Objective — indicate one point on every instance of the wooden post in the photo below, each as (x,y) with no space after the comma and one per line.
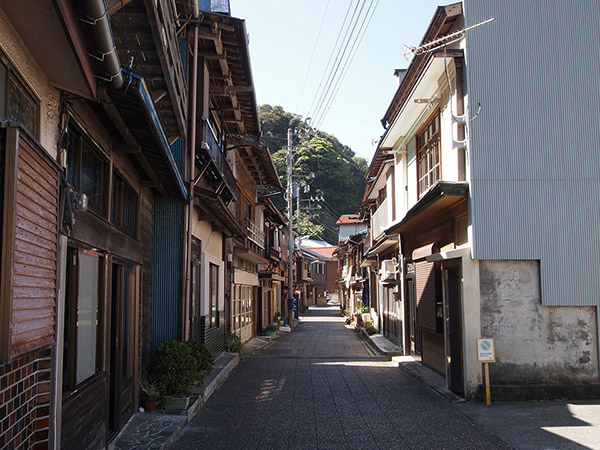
(488,399)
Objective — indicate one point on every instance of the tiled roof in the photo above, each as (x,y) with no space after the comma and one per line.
(327,252)
(349,218)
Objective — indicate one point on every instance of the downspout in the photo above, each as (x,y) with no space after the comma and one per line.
(380,297)
(460,111)
(97,16)
(188,258)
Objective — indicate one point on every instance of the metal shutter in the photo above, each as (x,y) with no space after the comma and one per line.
(426,287)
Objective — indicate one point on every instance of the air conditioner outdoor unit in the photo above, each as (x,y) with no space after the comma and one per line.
(388,270)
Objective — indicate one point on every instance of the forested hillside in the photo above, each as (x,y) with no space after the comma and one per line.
(339,175)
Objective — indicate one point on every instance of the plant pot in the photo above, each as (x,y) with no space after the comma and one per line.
(176,403)
(150,404)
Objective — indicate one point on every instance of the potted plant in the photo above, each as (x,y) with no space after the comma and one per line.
(270,330)
(233,343)
(176,367)
(150,392)
(204,360)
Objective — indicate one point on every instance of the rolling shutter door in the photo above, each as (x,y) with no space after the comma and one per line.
(426,287)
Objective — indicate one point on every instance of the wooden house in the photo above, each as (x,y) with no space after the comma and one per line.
(475,225)
(231,167)
(106,100)
(271,274)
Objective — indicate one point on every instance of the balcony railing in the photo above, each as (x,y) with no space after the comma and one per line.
(380,219)
(255,234)
(216,153)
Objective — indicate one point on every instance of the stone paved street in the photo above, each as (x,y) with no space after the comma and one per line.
(321,387)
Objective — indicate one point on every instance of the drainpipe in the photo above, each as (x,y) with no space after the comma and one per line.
(460,111)
(188,259)
(97,17)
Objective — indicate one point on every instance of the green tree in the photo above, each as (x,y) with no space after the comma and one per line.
(339,175)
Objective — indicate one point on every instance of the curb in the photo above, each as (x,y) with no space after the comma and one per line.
(163,436)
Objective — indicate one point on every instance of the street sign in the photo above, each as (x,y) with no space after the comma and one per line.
(485,350)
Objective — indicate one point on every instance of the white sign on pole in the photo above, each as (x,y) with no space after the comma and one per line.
(485,350)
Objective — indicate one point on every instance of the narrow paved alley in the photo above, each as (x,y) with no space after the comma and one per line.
(322,387)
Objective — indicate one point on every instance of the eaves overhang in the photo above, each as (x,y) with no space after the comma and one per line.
(441,196)
(224,43)
(136,107)
(52,34)
(248,255)
(217,212)
(385,244)
(379,181)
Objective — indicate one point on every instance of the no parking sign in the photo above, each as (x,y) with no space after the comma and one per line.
(485,350)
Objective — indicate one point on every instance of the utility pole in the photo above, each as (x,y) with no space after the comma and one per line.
(298,210)
(290,166)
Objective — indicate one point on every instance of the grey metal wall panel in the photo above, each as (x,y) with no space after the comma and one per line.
(166,270)
(533,149)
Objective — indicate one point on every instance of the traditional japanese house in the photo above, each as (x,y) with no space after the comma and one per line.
(112,127)
(271,274)
(231,166)
(479,224)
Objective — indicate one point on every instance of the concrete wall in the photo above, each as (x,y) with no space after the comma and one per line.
(212,241)
(49,97)
(535,344)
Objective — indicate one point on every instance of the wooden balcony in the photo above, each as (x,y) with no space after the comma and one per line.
(255,235)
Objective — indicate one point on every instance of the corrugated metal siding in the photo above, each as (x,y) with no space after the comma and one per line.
(534,162)
(178,150)
(166,270)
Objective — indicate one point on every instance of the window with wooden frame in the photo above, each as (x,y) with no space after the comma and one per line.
(82,342)
(247,212)
(124,206)
(17,101)
(428,154)
(87,170)
(241,308)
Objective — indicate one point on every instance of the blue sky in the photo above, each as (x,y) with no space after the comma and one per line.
(282,40)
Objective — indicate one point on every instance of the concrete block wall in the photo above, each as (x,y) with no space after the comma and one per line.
(535,344)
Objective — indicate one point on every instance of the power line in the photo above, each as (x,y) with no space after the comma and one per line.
(361,33)
(333,50)
(312,55)
(339,58)
(354,50)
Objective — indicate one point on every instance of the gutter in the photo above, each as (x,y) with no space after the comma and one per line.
(192,175)
(97,16)
(144,93)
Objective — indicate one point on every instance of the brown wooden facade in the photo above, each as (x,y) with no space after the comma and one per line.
(431,227)
(79,313)
(29,181)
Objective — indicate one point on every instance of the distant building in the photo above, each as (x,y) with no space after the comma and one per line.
(350,224)
(322,272)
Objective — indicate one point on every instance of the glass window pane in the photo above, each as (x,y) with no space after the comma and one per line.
(20,106)
(92,178)
(87,316)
